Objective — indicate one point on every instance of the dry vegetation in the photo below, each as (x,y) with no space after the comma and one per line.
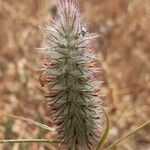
(123,50)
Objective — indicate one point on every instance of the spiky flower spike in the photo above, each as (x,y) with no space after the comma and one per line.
(69,74)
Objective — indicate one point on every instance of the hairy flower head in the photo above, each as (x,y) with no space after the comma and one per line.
(69,73)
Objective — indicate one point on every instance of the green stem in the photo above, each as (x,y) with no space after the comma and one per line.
(28,141)
(105,134)
(127,135)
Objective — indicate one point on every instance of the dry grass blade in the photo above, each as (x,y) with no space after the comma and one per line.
(15,14)
(33,122)
(128,134)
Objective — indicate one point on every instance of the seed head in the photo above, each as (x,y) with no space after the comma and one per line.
(69,73)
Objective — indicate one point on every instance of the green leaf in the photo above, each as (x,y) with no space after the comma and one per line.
(127,135)
(33,122)
(105,134)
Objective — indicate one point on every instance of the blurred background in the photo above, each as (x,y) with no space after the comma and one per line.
(123,51)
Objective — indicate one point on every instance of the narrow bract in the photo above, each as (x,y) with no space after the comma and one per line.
(69,73)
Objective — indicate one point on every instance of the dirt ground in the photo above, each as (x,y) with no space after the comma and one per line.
(123,50)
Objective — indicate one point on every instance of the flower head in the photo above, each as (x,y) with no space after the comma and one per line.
(69,73)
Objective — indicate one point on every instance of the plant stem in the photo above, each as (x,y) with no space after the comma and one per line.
(28,141)
(127,135)
(105,134)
